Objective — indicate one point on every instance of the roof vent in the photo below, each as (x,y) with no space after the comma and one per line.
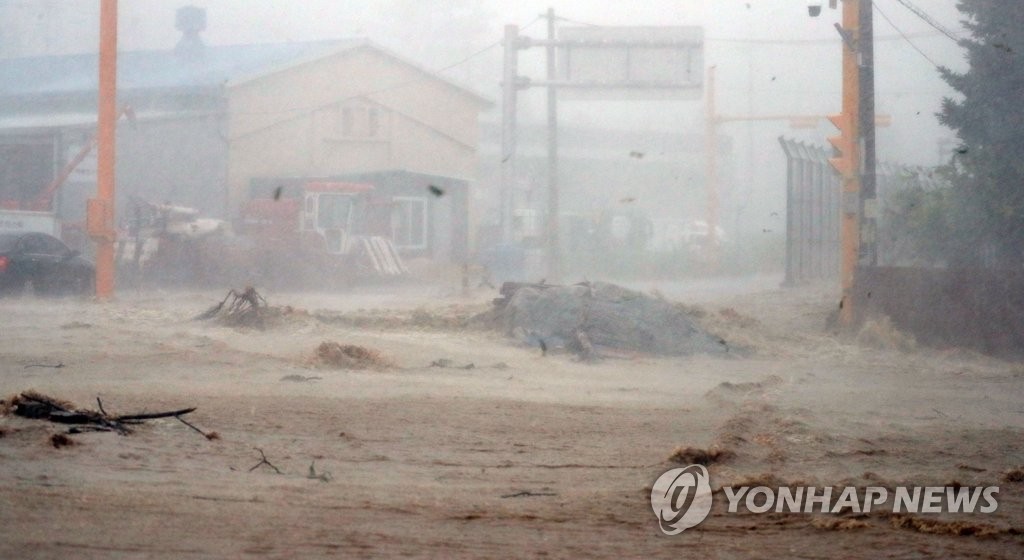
(191,21)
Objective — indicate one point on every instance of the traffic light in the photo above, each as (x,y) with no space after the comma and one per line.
(844,161)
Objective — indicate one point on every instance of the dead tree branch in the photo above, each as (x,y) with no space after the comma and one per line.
(264,461)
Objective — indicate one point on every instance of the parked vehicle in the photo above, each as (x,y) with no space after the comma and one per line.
(45,262)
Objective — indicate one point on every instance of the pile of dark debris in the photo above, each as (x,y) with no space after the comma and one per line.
(592,317)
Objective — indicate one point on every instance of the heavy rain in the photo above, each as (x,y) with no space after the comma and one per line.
(484,278)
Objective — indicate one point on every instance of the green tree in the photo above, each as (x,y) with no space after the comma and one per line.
(988,118)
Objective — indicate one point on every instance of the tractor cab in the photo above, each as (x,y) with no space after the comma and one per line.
(333,211)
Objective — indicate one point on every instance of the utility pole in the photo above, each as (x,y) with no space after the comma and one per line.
(848,160)
(869,180)
(100,211)
(554,248)
(509,92)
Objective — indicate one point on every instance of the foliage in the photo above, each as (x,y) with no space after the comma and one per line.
(919,224)
(988,169)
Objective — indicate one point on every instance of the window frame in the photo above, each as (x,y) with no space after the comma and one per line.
(409,203)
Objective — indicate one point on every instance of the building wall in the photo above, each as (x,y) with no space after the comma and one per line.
(356,111)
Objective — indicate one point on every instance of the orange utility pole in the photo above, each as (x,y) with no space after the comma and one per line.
(100,211)
(848,160)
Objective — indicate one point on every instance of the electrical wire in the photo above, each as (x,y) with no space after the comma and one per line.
(929,19)
(577,22)
(793,42)
(804,42)
(904,35)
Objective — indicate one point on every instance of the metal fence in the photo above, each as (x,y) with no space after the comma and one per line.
(812,213)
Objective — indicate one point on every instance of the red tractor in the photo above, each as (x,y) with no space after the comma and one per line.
(328,235)
(333,231)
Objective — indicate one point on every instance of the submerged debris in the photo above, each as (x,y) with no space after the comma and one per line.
(934,526)
(696,456)
(350,356)
(838,523)
(1014,475)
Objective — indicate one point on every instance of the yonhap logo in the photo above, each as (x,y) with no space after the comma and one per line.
(681,498)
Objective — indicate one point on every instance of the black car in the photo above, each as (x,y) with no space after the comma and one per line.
(46,262)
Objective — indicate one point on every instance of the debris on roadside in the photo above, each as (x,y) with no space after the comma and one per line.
(238,309)
(528,494)
(61,440)
(449,364)
(322,476)
(301,378)
(37,406)
(349,356)
(588,317)
(264,461)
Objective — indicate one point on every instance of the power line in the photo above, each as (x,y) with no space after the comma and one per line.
(929,19)
(804,42)
(904,35)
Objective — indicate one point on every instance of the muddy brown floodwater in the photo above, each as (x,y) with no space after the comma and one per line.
(520,455)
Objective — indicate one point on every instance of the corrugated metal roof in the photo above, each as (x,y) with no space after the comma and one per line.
(144,70)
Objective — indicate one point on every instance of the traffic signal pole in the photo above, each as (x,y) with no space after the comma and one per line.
(848,159)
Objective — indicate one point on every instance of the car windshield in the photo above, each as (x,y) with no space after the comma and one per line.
(333,211)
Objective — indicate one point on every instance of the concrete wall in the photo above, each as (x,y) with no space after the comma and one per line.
(977,308)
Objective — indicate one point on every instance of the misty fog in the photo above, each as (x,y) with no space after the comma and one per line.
(315,278)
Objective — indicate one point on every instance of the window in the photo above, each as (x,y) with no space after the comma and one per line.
(361,121)
(373,121)
(409,222)
(54,246)
(347,121)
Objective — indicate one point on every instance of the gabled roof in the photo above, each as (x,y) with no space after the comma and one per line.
(154,70)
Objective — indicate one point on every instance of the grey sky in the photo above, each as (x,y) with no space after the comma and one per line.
(770,56)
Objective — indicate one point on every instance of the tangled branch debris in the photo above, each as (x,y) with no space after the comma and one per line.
(238,309)
(31,404)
